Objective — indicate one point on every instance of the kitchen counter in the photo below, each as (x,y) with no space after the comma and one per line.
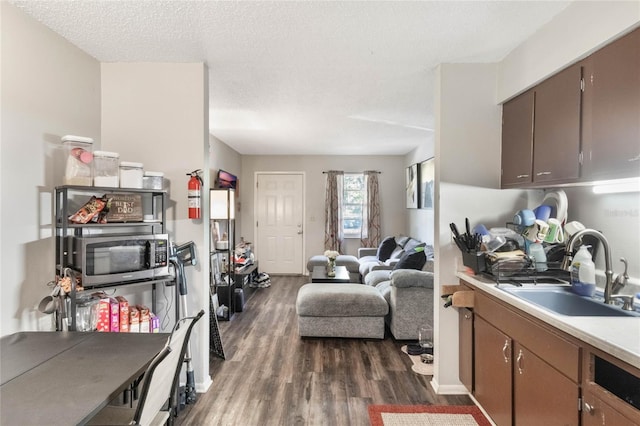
(617,336)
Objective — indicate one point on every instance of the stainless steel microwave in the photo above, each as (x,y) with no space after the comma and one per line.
(113,259)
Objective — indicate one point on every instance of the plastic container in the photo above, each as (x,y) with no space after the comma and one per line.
(105,169)
(583,273)
(131,174)
(153,180)
(536,252)
(79,160)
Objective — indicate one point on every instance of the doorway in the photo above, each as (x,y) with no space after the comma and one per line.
(279,213)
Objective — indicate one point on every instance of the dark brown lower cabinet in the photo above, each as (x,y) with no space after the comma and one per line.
(527,372)
(492,367)
(541,395)
(524,373)
(465,367)
(596,412)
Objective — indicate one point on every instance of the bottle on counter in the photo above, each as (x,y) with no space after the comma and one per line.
(583,273)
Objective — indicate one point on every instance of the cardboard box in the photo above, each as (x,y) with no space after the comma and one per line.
(125,208)
(134,320)
(104,315)
(124,313)
(114,315)
(145,319)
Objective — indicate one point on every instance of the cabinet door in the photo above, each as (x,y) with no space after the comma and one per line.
(595,412)
(492,366)
(517,140)
(542,396)
(465,367)
(611,125)
(556,141)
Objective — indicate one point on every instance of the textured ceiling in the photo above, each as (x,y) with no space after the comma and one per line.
(309,77)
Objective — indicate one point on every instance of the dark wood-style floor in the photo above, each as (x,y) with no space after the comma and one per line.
(271,376)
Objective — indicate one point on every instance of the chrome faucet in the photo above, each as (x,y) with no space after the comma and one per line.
(568,258)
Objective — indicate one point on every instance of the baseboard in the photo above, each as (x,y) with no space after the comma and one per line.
(203,387)
(448,389)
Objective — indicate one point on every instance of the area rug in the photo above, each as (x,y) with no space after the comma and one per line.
(420,415)
(419,366)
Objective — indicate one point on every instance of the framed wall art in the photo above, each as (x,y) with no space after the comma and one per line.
(412,186)
(427,178)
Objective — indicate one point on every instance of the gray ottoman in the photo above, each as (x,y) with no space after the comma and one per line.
(341,310)
(351,262)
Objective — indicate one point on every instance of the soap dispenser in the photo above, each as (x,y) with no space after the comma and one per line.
(583,273)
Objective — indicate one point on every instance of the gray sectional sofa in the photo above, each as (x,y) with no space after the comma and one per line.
(401,273)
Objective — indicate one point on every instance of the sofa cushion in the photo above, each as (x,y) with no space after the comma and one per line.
(386,247)
(402,278)
(414,259)
(396,254)
(340,300)
(402,240)
(384,288)
(375,277)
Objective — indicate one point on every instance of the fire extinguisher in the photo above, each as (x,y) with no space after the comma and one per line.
(194,193)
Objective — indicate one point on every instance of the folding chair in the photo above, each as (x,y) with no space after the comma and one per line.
(157,397)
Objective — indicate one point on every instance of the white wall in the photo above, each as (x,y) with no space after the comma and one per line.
(157,114)
(467,150)
(50,89)
(391,182)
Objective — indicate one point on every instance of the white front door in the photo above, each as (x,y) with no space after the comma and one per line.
(279,212)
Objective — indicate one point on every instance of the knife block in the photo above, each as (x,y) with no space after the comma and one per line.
(474,260)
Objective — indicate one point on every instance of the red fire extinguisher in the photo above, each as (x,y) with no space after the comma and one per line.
(194,193)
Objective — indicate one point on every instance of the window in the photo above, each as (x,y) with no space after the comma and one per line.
(353,204)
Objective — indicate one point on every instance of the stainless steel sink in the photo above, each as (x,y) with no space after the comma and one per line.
(562,301)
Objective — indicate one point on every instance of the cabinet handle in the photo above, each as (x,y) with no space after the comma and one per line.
(505,352)
(522,176)
(543,173)
(588,408)
(519,362)
(467,316)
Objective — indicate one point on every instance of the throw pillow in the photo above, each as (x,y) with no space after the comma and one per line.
(414,259)
(385,248)
(412,244)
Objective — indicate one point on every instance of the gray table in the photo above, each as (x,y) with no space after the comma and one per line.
(65,378)
(319,275)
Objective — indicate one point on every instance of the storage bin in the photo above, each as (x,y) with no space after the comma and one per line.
(79,152)
(105,169)
(131,174)
(153,180)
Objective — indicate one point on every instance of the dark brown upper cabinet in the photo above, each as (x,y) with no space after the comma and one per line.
(580,125)
(611,115)
(517,140)
(556,128)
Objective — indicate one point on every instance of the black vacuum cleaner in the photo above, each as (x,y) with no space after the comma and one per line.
(181,256)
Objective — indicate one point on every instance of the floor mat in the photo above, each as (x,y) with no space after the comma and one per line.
(416,415)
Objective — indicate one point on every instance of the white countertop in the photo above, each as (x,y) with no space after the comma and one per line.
(618,336)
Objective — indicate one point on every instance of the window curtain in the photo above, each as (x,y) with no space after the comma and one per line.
(333,235)
(370,236)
